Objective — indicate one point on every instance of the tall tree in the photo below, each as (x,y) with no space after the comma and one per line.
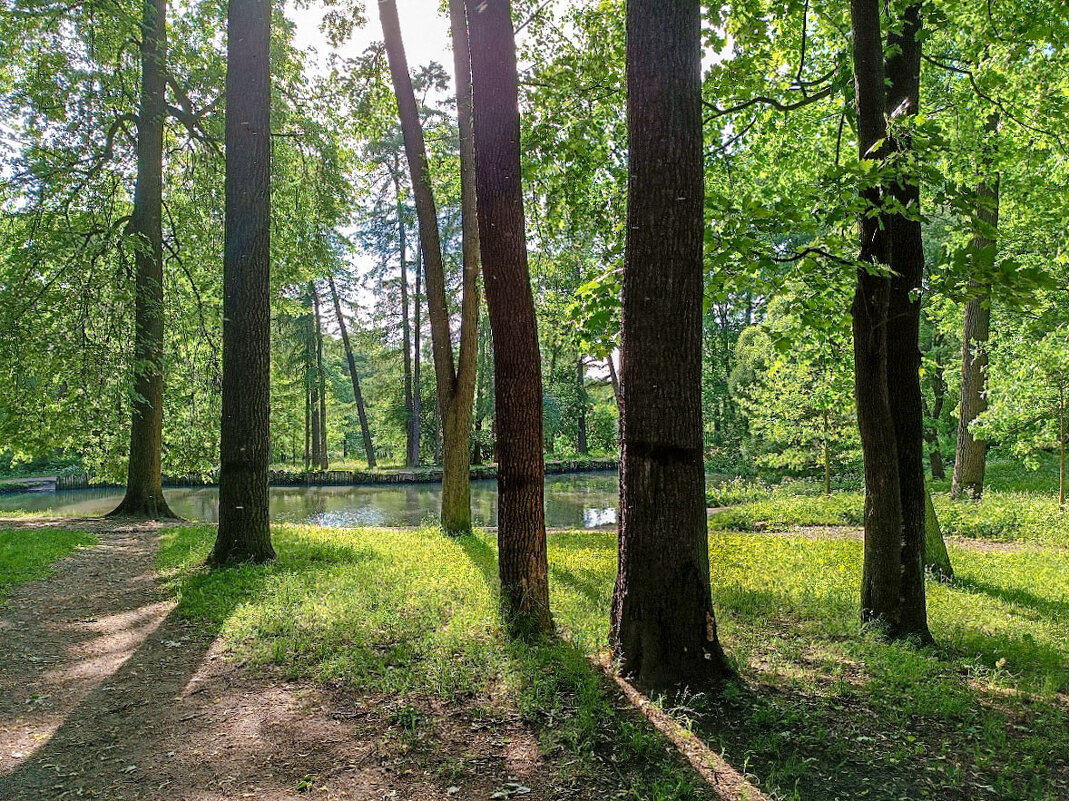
(411,419)
(903,73)
(358,396)
(971,452)
(144,485)
(522,561)
(455,380)
(245,445)
(892,594)
(321,381)
(663,627)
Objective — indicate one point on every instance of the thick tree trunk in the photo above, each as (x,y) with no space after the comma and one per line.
(411,421)
(244,520)
(455,382)
(971,453)
(365,430)
(663,630)
(903,72)
(321,382)
(144,485)
(881,571)
(522,561)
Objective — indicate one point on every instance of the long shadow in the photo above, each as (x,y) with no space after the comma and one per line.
(1055,610)
(589,587)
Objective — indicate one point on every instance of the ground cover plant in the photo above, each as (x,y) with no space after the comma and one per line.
(819,711)
(26,555)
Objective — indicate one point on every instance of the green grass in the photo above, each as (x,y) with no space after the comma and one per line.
(27,555)
(821,710)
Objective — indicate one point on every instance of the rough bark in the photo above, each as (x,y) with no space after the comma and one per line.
(522,561)
(144,485)
(971,452)
(455,381)
(663,630)
(321,383)
(365,429)
(903,70)
(244,521)
(881,570)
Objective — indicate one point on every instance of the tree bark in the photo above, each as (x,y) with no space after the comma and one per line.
(880,583)
(903,71)
(321,382)
(931,433)
(580,423)
(365,430)
(244,520)
(455,381)
(971,453)
(411,421)
(312,379)
(663,629)
(144,484)
(522,560)
(417,357)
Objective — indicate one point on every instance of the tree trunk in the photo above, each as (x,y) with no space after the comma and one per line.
(312,378)
(903,72)
(455,382)
(307,419)
(321,381)
(931,433)
(580,389)
(1061,446)
(827,453)
(144,484)
(522,561)
(936,557)
(971,455)
(663,630)
(881,571)
(365,430)
(244,521)
(417,352)
(411,420)
(615,379)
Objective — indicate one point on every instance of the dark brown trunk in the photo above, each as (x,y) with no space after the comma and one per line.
(244,519)
(321,382)
(970,459)
(881,571)
(522,559)
(365,430)
(663,630)
(903,72)
(144,485)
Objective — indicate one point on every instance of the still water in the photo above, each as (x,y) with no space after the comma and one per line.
(577,500)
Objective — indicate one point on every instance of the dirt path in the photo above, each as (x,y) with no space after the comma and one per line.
(106,693)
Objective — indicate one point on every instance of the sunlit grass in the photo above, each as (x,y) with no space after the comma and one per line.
(415,613)
(28,554)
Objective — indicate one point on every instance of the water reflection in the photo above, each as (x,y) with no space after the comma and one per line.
(580,500)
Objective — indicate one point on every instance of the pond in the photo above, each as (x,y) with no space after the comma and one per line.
(576,500)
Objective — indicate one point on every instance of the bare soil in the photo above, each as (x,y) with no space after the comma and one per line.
(106,693)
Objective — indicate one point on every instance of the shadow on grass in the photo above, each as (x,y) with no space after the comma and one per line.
(1054,610)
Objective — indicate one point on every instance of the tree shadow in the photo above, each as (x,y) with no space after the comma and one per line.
(1052,609)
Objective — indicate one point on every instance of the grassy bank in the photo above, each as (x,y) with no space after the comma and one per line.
(820,711)
(27,555)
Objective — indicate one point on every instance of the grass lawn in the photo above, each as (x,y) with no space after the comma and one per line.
(27,555)
(820,710)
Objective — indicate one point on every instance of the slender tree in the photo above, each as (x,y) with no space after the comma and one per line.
(144,485)
(411,420)
(365,430)
(455,380)
(971,452)
(522,559)
(663,628)
(244,521)
(321,381)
